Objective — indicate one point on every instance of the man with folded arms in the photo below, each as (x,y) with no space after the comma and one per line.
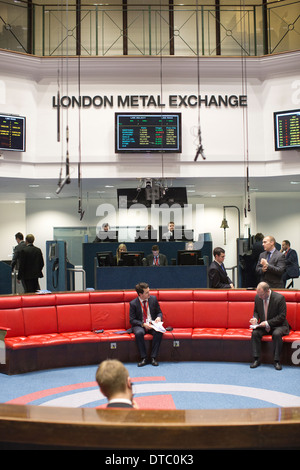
(269,318)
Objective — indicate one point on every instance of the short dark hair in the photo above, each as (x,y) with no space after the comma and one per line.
(155,248)
(218,251)
(259,236)
(287,242)
(140,287)
(19,236)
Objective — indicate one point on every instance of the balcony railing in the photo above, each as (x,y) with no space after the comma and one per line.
(182,30)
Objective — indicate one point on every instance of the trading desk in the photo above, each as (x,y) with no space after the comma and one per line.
(157,277)
(169,249)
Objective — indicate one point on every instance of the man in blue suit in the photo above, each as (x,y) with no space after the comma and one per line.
(145,309)
(291,262)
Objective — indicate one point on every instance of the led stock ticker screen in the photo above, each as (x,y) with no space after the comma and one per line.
(148,132)
(287,130)
(12,133)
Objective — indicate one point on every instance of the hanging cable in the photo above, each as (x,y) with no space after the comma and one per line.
(161,88)
(67,179)
(200,149)
(247,207)
(80,211)
(59,113)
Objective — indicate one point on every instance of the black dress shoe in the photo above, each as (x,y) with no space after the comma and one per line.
(255,364)
(143,362)
(277,365)
(154,362)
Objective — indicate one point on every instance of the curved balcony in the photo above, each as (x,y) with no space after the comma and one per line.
(167,28)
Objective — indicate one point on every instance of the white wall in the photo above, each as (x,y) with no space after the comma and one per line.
(13,217)
(269,88)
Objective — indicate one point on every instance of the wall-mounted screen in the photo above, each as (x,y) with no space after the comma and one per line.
(287,130)
(12,133)
(148,133)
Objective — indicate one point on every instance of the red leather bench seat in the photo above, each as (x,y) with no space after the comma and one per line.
(240,310)
(210,314)
(108,314)
(64,321)
(293,316)
(177,308)
(74,321)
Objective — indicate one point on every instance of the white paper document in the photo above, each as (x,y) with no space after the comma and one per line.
(158,326)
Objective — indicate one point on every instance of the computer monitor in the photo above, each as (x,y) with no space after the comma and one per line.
(132,258)
(189,258)
(105,258)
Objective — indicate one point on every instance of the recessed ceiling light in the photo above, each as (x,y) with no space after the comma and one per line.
(34,185)
(295,182)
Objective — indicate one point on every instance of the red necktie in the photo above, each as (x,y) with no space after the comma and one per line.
(145,310)
(266,308)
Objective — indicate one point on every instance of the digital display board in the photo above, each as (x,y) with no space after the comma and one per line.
(147,132)
(12,133)
(287,130)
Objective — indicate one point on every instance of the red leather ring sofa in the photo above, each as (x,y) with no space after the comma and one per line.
(41,331)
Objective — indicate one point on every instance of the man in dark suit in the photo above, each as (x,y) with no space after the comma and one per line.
(31,265)
(145,309)
(115,384)
(291,262)
(269,318)
(18,248)
(156,258)
(217,275)
(271,264)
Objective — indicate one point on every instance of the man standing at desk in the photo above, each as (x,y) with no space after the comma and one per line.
(143,310)
(217,275)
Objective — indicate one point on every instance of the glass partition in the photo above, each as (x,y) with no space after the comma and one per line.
(213,28)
